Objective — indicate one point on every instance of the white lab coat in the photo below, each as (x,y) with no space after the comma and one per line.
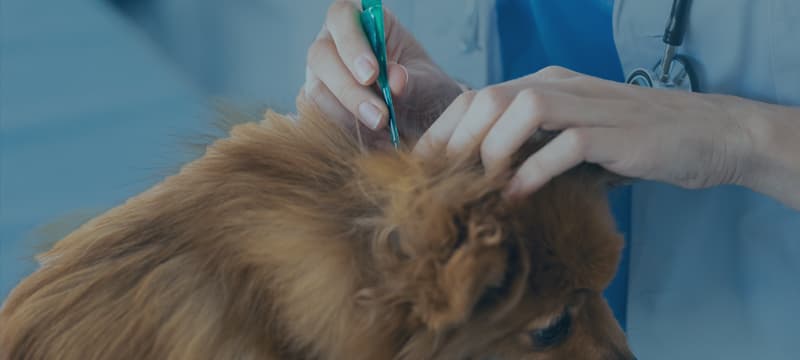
(715,274)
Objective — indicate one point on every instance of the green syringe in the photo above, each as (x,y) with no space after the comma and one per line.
(372,22)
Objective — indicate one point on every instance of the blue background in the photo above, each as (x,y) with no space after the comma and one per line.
(90,114)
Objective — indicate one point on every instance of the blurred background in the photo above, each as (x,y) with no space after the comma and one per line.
(98,98)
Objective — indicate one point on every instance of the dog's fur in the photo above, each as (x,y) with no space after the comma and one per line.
(288,241)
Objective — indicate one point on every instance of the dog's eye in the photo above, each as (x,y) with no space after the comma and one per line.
(554,334)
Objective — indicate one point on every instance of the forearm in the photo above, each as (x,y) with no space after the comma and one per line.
(773,165)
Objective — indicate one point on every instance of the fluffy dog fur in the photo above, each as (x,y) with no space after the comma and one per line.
(288,241)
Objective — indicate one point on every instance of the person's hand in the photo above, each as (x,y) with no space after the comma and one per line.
(341,71)
(690,140)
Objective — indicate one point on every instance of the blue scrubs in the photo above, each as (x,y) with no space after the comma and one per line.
(576,34)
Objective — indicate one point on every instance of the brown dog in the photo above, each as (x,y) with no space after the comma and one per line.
(288,241)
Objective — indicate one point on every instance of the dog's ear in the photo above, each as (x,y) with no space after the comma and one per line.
(442,245)
(474,267)
(479,276)
(444,269)
(484,270)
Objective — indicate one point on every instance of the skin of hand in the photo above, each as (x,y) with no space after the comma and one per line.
(341,73)
(686,139)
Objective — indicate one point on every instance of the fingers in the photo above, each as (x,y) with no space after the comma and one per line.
(325,63)
(534,109)
(553,99)
(485,109)
(521,120)
(351,43)
(315,91)
(502,118)
(561,154)
(438,135)
(342,60)
(570,148)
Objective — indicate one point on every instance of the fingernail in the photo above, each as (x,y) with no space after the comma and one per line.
(405,80)
(370,114)
(364,69)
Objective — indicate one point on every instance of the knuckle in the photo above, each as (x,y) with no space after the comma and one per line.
(469,135)
(320,49)
(424,144)
(534,103)
(337,8)
(351,46)
(468,95)
(429,142)
(464,100)
(348,96)
(490,152)
(555,72)
(314,88)
(534,167)
(576,140)
(492,98)
(529,96)
(437,138)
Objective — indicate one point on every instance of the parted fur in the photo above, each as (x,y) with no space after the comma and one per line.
(287,240)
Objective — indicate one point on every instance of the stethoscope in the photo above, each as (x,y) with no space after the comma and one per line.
(673,71)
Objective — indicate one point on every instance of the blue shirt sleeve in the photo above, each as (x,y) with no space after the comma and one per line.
(576,34)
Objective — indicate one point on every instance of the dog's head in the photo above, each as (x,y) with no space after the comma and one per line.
(477,276)
(442,263)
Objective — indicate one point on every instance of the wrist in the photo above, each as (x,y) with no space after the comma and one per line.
(772,162)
